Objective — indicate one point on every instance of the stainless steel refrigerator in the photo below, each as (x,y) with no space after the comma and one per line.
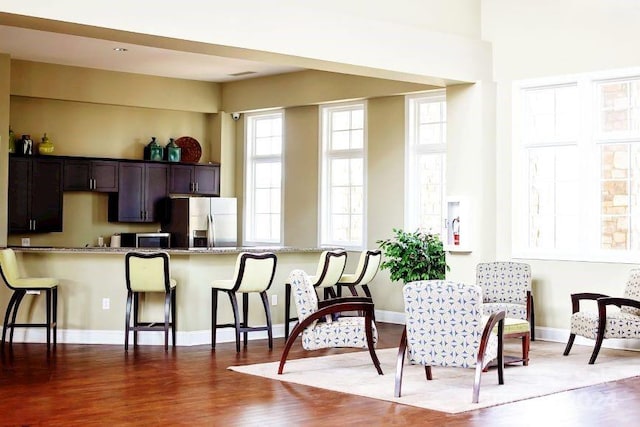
(202,222)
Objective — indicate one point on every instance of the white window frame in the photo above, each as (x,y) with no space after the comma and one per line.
(589,144)
(413,152)
(324,214)
(251,159)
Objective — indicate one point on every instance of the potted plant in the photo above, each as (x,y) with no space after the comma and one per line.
(411,256)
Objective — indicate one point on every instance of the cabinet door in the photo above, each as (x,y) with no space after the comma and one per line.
(77,175)
(182,179)
(46,195)
(128,204)
(207,178)
(19,194)
(156,185)
(105,175)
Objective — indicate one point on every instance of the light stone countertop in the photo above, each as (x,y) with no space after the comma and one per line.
(176,251)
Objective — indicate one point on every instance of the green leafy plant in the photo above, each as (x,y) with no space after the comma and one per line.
(413,256)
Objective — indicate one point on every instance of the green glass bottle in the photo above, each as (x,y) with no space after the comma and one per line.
(153,150)
(173,151)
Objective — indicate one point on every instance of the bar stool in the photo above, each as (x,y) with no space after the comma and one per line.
(149,272)
(27,285)
(330,268)
(366,270)
(253,274)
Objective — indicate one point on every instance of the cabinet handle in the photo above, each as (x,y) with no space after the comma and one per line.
(191,187)
(141,214)
(32,224)
(197,187)
(93,183)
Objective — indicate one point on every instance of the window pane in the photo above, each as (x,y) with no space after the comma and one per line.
(357,139)
(340,140)
(264,170)
(430,134)
(342,173)
(340,120)
(357,118)
(339,172)
(340,200)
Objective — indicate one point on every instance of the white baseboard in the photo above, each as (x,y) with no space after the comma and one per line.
(190,338)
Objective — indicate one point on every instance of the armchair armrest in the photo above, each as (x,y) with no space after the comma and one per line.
(576,298)
(619,302)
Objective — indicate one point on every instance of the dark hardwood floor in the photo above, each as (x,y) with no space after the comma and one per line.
(101,385)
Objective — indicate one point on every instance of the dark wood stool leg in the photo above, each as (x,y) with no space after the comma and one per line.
(48,326)
(173,316)
(55,316)
(236,317)
(267,312)
(287,308)
(167,310)
(127,320)
(245,316)
(20,294)
(5,325)
(136,301)
(214,316)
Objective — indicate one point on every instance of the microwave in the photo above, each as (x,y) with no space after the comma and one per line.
(146,240)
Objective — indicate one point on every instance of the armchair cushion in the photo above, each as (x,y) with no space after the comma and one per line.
(618,325)
(344,332)
(516,311)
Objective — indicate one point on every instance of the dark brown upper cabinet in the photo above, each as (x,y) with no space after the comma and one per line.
(198,179)
(35,194)
(90,175)
(142,192)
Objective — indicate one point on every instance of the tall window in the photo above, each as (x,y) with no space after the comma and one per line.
(426,161)
(577,168)
(342,205)
(263,201)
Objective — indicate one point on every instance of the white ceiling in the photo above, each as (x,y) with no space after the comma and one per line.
(65,49)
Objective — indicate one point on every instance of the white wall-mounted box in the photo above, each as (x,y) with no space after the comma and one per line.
(458,225)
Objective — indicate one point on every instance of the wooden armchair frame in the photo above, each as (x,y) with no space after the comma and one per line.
(329,308)
(603,301)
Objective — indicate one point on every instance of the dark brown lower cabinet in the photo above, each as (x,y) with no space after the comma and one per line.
(143,189)
(35,194)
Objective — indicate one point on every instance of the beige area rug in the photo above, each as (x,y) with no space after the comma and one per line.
(451,388)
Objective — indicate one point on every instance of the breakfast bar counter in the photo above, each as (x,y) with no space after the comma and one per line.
(92,291)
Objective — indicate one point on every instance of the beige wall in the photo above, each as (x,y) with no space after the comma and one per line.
(301,169)
(37,79)
(306,88)
(385,188)
(540,39)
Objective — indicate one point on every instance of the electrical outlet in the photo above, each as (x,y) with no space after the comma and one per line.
(26,241)
(105,303)
(274,299)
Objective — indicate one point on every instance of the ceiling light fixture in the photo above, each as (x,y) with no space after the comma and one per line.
(120,49)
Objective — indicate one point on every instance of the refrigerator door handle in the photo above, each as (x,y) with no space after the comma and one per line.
(210,231)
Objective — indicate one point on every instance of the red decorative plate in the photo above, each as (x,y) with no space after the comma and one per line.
(190,150)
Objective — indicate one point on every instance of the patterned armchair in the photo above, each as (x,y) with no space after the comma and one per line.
(506,286)
(445,327)
(320,330)
(607,324)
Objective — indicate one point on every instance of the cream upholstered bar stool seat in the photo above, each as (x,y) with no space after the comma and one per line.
(330,269)
(22,286)
(253,274)
(366,270)
(149,273)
